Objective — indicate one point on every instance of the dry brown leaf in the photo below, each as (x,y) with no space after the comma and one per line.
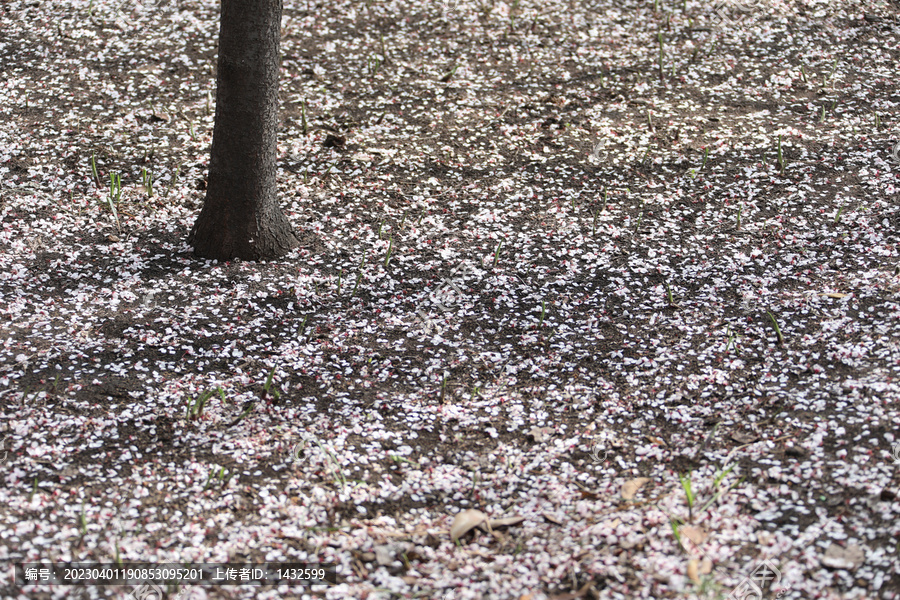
(504,522)
(584,591)
(835,295)
(695,534)
(706,566)
(466,521)
(744,438)
(693,569)
(552,518)
(630,489)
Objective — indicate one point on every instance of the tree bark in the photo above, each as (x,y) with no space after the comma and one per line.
(240,217)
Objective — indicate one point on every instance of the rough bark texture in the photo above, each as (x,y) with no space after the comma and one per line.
(240,217)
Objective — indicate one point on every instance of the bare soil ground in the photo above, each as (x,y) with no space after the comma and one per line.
(628,271)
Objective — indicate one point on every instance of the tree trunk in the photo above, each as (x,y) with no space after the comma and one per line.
(240,217)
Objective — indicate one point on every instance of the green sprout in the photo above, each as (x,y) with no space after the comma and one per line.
(659,37)
(719,493)
(780,156)
(83,520)
(705,157)
(303,326)
(336,466)
(303,116)
(269,389)
(174,180)
(449,74)
(732,339)
(689,495)
(115,188)
(195,407)
(218,476)
(497,252)
(358,276)
(115,196)
(94,169)
(669,295)
(403,459)
(374,63)
(776,327)
(248,408)
(147,182)
(674,524)
(830,75)
(387,258)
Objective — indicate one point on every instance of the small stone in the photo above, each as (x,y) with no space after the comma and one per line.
(383,555)
(848,558)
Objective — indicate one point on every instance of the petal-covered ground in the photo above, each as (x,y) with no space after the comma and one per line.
(628,271)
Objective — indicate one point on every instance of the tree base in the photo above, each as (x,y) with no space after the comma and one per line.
(214,236)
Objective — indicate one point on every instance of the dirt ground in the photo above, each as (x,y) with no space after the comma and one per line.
(625,274)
